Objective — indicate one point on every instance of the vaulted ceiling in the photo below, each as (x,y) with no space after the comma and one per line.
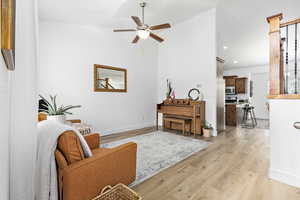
(241,24)
(112,13)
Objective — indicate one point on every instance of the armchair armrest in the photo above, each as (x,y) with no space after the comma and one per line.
(86,178)
(74,120)
(93,140)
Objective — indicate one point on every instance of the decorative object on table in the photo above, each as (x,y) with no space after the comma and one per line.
(168,101)
(118,192)
(169,89)
(83,128)
(177,101)
(186,101)
(173,95)
(194,94)
(109,79)
(55,112)
(207,129)
(8,32)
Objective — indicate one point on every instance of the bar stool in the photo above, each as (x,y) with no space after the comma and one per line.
(249,110)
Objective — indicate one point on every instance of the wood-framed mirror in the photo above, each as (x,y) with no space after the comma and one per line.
(109,79)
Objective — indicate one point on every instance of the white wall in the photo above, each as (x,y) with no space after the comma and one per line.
(67,55)
(188,58)
(18,110)
(4,133)
(260,92)
(246,71)
(254,73)
(23,104)
(284,141)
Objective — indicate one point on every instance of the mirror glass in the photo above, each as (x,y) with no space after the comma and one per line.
(110,79)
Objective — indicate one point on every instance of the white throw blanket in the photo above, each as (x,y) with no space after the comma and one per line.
(46,174)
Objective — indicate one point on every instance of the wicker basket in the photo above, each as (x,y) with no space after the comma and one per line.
(118,192)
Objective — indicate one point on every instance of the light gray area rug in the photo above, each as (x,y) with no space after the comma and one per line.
(159,150)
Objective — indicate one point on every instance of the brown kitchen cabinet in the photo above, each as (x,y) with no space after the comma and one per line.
(240,85)
(230,81)
(230,113)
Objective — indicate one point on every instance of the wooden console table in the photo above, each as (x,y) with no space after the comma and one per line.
(195,111)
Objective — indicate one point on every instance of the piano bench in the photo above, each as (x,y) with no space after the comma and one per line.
(183,122)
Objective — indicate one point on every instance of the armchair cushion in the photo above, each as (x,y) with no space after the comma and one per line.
(60,159)
(93,140)
(69,145)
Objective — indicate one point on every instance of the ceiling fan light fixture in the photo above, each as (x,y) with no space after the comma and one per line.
(143,30)
(144,34)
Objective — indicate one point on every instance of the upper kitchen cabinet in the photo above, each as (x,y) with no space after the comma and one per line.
(230,81)
(240,85)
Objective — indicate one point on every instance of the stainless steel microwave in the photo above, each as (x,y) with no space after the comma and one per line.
(230,90)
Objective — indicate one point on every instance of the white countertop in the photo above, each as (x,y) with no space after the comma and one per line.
(238,105)
(241,105)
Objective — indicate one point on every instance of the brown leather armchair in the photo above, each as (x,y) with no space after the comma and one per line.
(82,178)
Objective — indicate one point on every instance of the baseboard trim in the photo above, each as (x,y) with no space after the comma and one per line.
(284,177)
(131,128)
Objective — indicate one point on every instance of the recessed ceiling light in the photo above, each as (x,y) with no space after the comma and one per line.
(235,62)
(225,47)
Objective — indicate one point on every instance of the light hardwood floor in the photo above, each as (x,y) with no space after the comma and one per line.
(234,167)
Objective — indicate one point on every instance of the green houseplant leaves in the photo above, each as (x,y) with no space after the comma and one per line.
(54,109)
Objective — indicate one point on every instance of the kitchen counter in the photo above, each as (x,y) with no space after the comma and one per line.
(234,113)
(241,105)
(237,104)
(230,103)
(239,114)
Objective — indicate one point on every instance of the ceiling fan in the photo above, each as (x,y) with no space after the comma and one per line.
(144,30)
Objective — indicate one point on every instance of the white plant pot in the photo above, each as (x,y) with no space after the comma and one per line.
(207,132)
(58,118)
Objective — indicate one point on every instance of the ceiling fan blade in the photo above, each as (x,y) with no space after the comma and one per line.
(136,39)
(124,30)
(156,37)
(137,20)
(161,26)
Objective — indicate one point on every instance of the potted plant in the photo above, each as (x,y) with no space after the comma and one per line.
(55,112)
(207,129)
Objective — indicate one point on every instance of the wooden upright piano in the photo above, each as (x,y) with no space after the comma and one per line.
(194,110)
